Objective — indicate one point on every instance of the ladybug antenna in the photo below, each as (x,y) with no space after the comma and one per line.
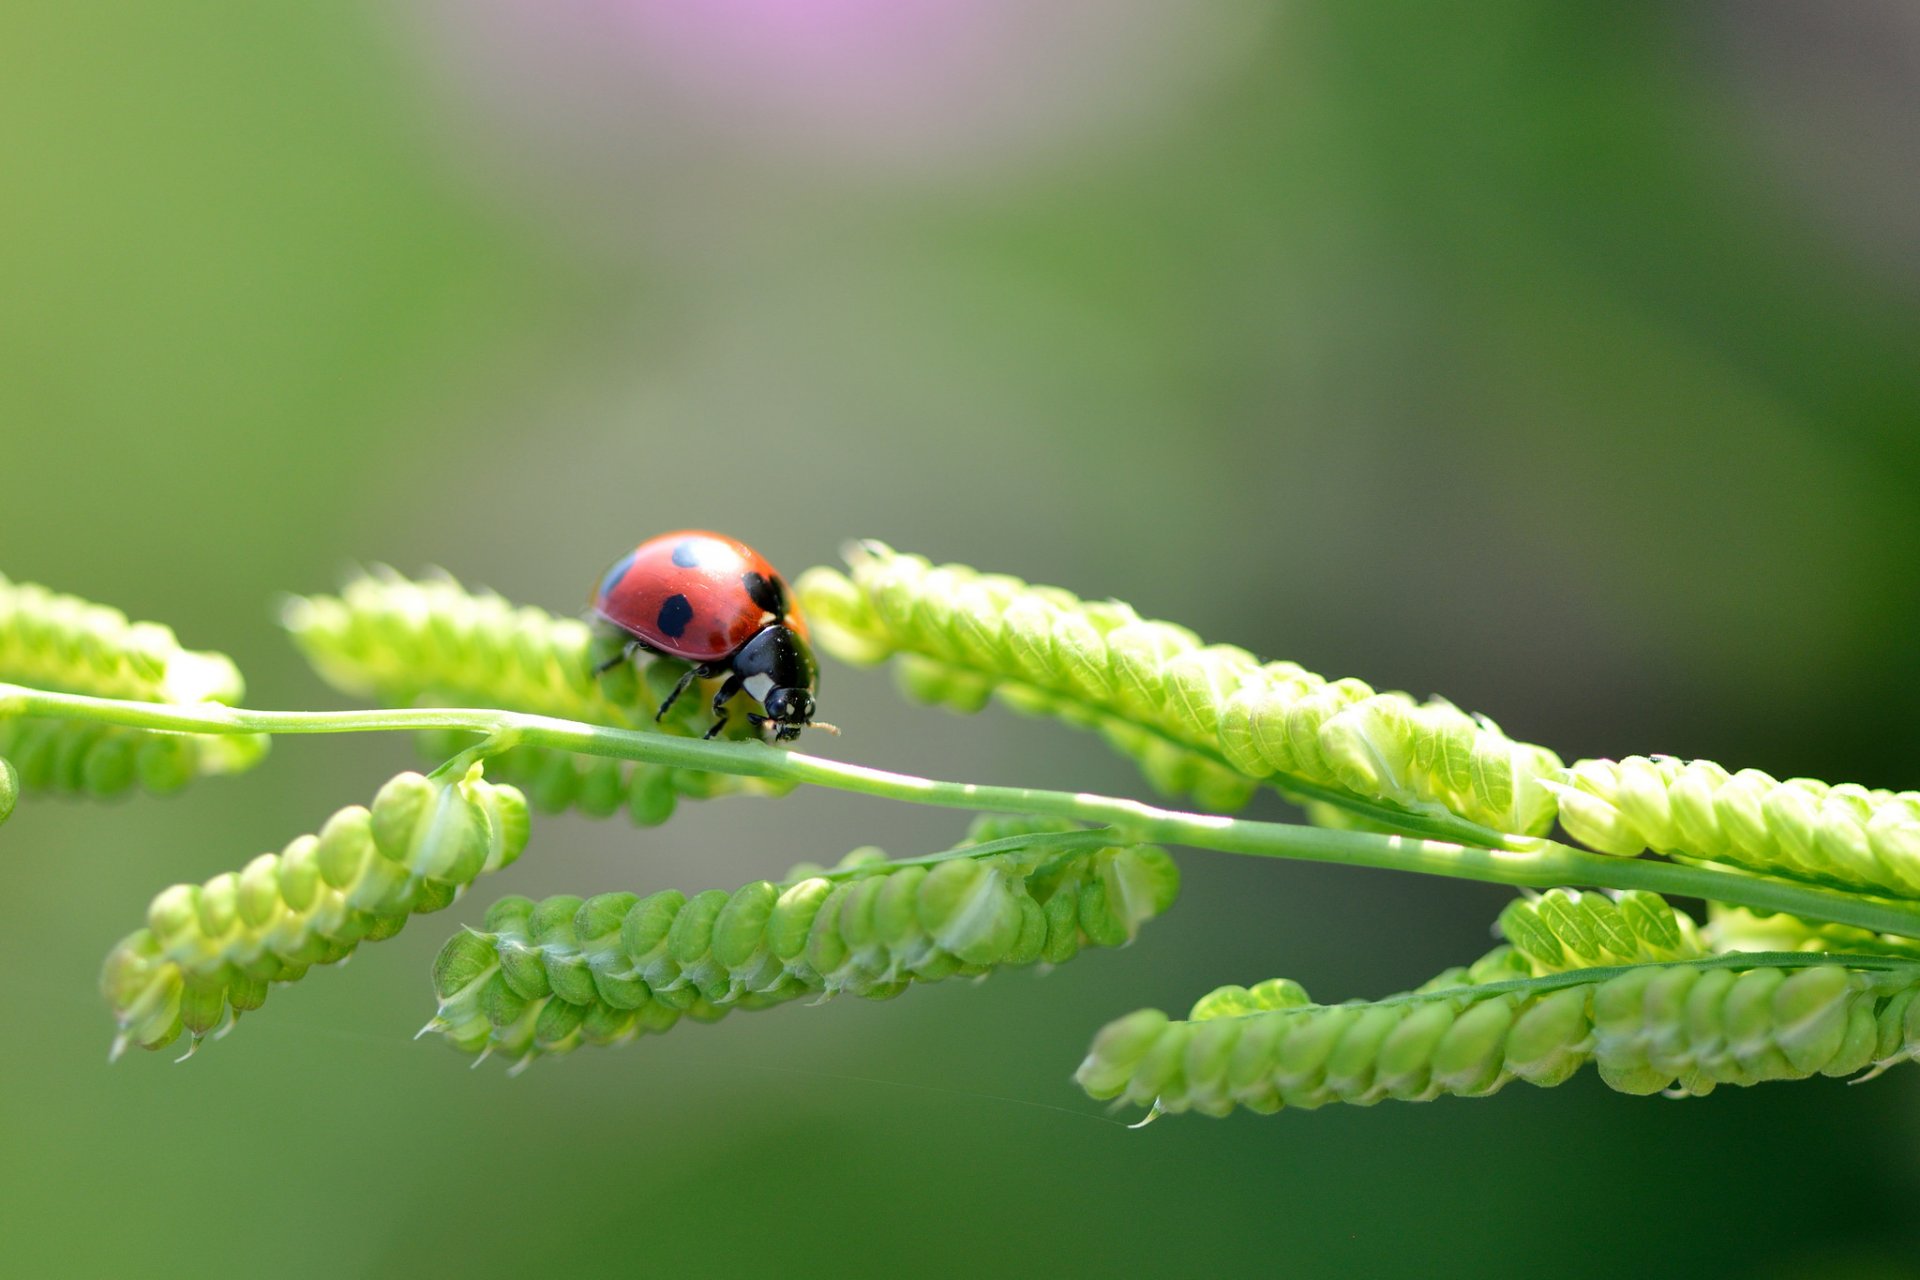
(833,729)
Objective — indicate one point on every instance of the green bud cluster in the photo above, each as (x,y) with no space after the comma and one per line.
(63,643)
(209,951)
(1565,929)
(433,642)
(1202,719)
(9,789)
(1650,1028)
(1739,929)
(545,977)
(1844,835)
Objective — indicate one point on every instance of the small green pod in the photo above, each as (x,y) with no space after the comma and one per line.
(1550,1038)
(740,929)
(1256,1053)
(857,928)
(1101,925)
(1855,1053)
(1209,1058)
(651,797)
(826,950)
(896,911)
(1353,1065)
(1117,1049)
(1468,1059)
(203,1003)
(1750,1031)
(1404,1068)
(498,1002)
(1300,1063)
(219,905)
(1159,1070)
(524,967)
(649,923)
(1810,1013)
(259,897)
(467,958)
(108,770)
(345,844)
(1031,940)
(1137,658)
(1062,910)
(690,940)
(556,1028)
(793,916)
(245,994)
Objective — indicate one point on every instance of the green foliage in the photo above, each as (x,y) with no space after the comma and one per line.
(1199,719)
(1565,929)
(545,977)
(1618,979)
(209,951)
(1738,929)
(1648,1028)
(432,642)
(1844,835)
(54,641)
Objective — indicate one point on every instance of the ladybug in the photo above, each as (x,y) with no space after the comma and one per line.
(716,603)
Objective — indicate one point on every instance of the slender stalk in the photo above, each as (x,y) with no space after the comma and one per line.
(1538,864)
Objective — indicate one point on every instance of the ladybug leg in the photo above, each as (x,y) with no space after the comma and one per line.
(626,652)
(700,672)
(720,699)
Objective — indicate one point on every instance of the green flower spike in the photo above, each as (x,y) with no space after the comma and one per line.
(63,643)
(545,977)
(1738,929)
(1205,720)
(1649,1028)
(210,950)
(432,642)
(1565,929)
(1843,835)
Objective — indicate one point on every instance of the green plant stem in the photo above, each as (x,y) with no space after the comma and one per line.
(1541,985)
(1538,864)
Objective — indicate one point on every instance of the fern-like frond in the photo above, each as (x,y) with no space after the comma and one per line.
(1200,719)
(544,977)
(60,642)
(1647,1028)
(1841,834)
(209,951)
(1565,929)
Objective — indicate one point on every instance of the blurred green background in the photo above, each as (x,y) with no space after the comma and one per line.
(1563,358)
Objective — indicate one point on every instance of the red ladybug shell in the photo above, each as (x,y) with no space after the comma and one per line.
(695,595)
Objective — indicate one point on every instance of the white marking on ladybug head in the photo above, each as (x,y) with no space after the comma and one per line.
(758,686)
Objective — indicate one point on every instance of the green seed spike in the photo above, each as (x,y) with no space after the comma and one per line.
(1199,719)
(1842,835)
(208,951)
(1648,1028)
(66,644)
(625,966)
(433,642)
(1564,929)
(1738,929)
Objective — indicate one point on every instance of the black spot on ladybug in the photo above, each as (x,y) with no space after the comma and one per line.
(766,592)
(675,613)
(687,554)
(619,571)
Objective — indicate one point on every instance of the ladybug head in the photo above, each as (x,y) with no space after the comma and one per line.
(788,712)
